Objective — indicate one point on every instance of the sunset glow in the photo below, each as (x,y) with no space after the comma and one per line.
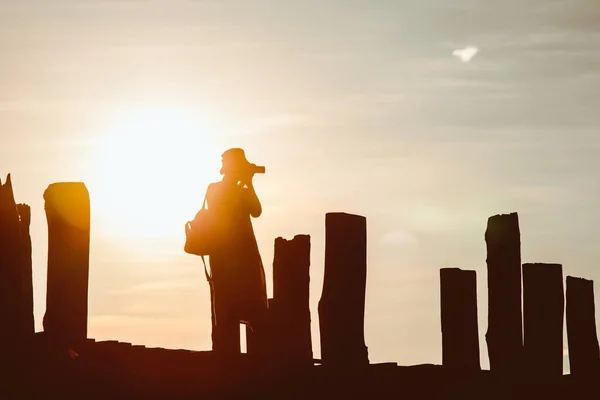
(426,118)
(150,171)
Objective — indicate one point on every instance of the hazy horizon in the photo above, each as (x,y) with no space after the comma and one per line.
(425,118)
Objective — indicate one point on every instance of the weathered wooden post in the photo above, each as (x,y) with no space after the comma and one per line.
(460,336)
(226,337)
(67,206)
(11,294)
(291,293)
(543,318)
(27,318)
(504,334)
(342,303)
(270,336)
(584,354)
(289,336)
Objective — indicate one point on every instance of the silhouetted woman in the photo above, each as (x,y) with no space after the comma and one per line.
(239,289)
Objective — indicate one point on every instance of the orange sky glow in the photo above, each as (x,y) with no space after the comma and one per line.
(427,118)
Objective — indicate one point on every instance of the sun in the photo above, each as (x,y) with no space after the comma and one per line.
(149,172)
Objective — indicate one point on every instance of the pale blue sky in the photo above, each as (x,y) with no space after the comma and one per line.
(356,106)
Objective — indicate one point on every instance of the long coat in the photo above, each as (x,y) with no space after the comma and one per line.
(238,276)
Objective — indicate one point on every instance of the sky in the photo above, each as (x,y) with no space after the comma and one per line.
(425,117)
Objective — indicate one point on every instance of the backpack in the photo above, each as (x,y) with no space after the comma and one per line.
(198,235)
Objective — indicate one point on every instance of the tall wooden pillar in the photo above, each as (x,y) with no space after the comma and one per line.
(460,336)
(226,338)
(27,317)
(11,294)
(291,292)
(543,318)
(584,354)
(287,337)
(67,206)
(269,343)
(504,334)
(342,303)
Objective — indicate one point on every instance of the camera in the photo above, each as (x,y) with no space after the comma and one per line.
(256,169)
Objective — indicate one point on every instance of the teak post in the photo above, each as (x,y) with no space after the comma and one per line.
(11,272)
(543,319)
(584,354)
(460,336)
(342,303)
(289,334)
(67,206)
(504,334)
(291,293)
(28,323)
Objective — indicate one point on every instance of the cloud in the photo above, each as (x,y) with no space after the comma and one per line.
(431,218)
(466,54)
(398,237)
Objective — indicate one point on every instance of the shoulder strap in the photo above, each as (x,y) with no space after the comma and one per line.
(205,197)
(208,277)
(206,273)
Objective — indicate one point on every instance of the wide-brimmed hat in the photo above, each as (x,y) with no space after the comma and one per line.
(234,160)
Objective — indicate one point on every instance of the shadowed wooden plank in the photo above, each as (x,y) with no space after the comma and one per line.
(584,354)
(342,303)
(28,323)
(11,268)
(291,292)
(504,334)
(67,206)
(543,318)
(460,336)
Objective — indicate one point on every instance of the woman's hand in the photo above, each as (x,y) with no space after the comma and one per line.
(247,181)
(254,206)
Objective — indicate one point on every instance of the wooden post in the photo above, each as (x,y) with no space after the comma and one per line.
(28,324)
(288,333)
(226,338)
(270,335)
(584,354)
(67,206)
(291,293)
(543,318)
(11,293)
(342,303)
(460,336)
(504,334)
